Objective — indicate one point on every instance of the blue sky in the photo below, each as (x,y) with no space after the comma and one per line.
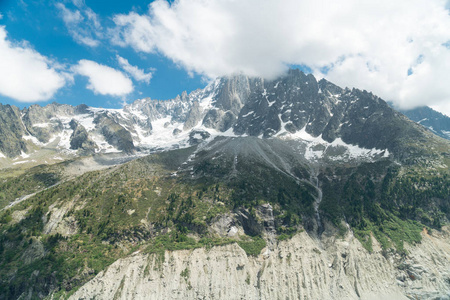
(105,53)
(41,25)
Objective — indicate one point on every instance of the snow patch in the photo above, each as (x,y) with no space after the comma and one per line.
(64,138)
(283,126)
(33,139)
(102,145)
(86,120)
(41,125)
(248,114)
(23,162)
(317,148)
(265,93)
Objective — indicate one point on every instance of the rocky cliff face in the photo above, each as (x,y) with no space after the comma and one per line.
(11,132)
(236,105)
(301,268)
(80,138)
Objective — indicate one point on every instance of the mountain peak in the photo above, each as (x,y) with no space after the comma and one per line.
(291,107)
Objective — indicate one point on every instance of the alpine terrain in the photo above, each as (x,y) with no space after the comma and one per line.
(435,121)
(248,189)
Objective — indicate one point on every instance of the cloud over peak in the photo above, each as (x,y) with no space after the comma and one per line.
(373,45)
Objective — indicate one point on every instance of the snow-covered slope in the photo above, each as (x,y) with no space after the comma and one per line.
(333,123)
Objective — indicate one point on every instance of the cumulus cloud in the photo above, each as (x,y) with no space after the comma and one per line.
(104,80)
(394,48)
(82,23)
(133,71)
(25,74)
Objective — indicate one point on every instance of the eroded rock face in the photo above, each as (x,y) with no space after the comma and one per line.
(80,138)
(300,268)
(43,121)
(11,131)
(194,116)
(115,134)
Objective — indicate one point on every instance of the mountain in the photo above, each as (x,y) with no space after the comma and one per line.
(295,104)
(435,121)
(249,188)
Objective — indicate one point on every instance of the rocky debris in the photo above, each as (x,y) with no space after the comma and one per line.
(300,268)
(413,271)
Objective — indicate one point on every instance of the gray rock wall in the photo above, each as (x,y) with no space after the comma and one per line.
(300,268)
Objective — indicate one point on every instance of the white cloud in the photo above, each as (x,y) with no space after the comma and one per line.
(104,80)
(25,74)
(78,3)
(367,44)
(82,23)
(135,72)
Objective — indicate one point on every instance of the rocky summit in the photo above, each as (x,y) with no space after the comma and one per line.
(290,188)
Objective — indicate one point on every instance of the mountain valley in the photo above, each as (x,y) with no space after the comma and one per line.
(248,189)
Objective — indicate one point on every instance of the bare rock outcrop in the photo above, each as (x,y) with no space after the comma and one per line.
(300,268)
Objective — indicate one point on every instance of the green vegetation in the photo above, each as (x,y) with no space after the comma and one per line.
(179,241)
(253,246)
(185,273)
(140,206)
(287,236)
(392,232)
(111,212)
(390,202)
(33,180)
